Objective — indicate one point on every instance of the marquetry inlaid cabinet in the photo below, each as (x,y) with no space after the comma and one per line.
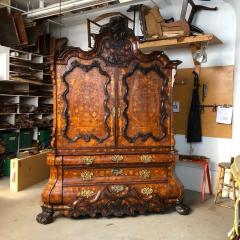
(113,144)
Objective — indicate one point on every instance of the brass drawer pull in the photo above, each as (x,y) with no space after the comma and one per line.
(146,158)
(145,173)
(117,158)
(117,188)
(147,191)
(86,175)
(117,172)
(88,160)
(86,193)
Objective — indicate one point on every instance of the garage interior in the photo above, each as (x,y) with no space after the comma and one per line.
(122,115)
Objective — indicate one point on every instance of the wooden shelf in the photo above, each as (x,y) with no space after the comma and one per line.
(22,81)
(21,95)
(178,42)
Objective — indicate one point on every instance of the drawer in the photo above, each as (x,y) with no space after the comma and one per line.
(117,159)
(146,190)
(76,176)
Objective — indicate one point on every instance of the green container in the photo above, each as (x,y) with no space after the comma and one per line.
(44,136)
(11,141)
(6,167)
(26,139)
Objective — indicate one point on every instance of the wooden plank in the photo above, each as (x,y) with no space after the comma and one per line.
(178,42)
(29,170)
(19,22)
(20,80)
(8,36)
(220,91)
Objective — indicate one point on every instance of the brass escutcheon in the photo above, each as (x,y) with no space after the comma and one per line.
(147,191)
(117,188)
(87,193)
(146,158)
(117,172)
(88,160)
(145,173)
(87,175)
(117,158)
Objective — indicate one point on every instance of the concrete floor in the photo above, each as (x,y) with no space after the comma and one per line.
(18,212)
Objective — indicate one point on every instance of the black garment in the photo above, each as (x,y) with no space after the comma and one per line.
(194,129)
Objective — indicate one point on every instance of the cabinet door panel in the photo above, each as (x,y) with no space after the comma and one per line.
(87,94)
(144,101)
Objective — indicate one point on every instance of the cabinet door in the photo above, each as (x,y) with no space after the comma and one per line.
(85,98)
(144,103)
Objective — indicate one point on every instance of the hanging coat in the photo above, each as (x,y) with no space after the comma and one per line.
(194,129)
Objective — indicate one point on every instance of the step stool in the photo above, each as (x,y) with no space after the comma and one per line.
(222,167)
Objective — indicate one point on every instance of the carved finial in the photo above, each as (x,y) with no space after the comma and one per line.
(118,27)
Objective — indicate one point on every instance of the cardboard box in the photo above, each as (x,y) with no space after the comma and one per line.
(28,171)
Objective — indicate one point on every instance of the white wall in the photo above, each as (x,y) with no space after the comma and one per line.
(4,62)
(217,149)
(223,24)
(236,93)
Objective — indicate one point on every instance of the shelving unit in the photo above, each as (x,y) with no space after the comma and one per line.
(25,66)
(25,95)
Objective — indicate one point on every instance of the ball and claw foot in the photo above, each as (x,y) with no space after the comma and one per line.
(182,208)
(45,217)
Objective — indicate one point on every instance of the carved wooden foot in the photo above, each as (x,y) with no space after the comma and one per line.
(46,216)
(182,208)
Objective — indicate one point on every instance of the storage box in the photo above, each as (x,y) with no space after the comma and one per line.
(11,141)
(28,171)
(44,136)
(26,139)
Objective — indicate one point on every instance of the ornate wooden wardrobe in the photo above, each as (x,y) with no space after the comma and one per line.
(113,144)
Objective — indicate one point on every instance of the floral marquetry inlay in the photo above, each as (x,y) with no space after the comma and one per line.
(146,158)
(87,175)
(117,172)
(147,191)
(88,160)
(145,173)
(117,188)
(87,193)
(117,158)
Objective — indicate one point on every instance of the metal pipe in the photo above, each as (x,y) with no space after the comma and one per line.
(25,12)
(65,7)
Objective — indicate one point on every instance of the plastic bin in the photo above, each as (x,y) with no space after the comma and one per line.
(44,136)
(11,141)
(6,167)
(26,139)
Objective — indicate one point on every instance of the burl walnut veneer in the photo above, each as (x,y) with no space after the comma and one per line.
(113,144)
